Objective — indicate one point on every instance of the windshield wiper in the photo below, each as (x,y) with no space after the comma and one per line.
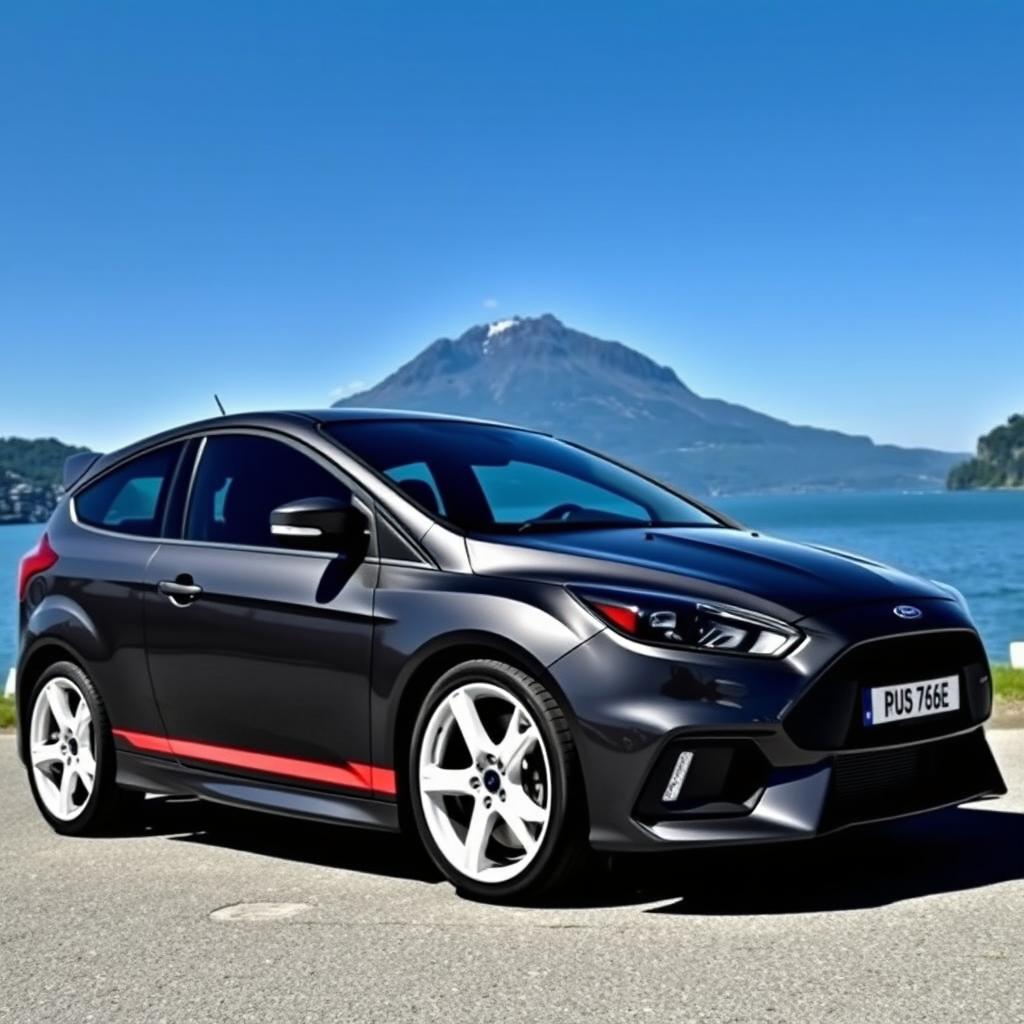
(556,525)
(693,526)
(584,524)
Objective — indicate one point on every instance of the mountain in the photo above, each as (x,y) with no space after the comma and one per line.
(540,373)
(999,462)
(30,474)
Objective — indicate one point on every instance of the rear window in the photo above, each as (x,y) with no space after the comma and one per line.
(131,498)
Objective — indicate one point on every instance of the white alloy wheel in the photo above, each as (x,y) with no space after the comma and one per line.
(62,748)
(486,800)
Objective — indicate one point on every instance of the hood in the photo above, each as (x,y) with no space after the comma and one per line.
(777,576)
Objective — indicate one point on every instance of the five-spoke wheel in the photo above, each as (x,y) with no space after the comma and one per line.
(69,754)
(62,748)
(484,787)
(492,767)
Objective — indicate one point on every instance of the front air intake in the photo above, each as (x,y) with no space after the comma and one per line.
(703,778)
(877,784)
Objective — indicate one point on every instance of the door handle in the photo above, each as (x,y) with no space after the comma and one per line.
(179,591)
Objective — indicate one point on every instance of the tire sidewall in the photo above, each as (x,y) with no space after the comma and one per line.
(101,740)
(560,781)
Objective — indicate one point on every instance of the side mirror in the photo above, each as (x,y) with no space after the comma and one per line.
(319,524)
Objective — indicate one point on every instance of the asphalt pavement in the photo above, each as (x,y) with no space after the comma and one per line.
(209,915)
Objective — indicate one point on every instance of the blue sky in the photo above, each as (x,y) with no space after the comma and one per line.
(816,209)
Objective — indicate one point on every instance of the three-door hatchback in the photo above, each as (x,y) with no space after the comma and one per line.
(528,647)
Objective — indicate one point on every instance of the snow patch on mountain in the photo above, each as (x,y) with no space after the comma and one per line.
(501,325)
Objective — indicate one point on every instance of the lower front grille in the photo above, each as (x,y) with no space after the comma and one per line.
(886,783)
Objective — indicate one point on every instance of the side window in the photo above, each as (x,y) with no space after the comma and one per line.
(241,479)
(131,498)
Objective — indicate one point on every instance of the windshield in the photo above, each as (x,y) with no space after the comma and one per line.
(494,479)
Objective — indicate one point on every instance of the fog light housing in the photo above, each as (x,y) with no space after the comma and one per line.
(678,777)
(703,777)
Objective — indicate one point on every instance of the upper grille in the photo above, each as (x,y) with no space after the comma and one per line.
(828,715)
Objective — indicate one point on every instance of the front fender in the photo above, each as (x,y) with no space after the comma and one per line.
(426,617)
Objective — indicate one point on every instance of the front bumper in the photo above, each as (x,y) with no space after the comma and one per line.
(782,750)
(851,789)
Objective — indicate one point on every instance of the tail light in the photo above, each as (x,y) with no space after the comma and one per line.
(39,559)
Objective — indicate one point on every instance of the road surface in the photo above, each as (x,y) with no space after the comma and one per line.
(208,915)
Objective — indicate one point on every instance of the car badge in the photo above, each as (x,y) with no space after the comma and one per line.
(907,611)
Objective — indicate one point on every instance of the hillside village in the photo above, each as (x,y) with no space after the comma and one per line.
(30,473)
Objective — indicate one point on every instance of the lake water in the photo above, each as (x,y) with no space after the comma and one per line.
(974,540)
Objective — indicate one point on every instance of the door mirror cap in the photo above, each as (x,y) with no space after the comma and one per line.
(324,524)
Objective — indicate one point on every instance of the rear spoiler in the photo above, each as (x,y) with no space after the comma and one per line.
(76,466)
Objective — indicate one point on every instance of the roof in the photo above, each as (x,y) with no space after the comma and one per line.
(352,414)
(281,417)
(332,415)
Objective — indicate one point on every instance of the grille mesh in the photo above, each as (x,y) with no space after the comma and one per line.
(884,783)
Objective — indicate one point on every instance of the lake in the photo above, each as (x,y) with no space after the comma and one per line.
(972,539)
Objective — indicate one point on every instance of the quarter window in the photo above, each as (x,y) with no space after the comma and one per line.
(242,478)
(131,498)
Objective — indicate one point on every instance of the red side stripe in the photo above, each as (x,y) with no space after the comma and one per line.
(383,780)
(351,775)
(144,741)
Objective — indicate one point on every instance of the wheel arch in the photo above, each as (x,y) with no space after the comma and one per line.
(432,661)
(58,629)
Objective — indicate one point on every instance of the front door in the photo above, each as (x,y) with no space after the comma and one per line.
(260,655)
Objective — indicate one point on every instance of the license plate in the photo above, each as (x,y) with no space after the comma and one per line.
(899,703)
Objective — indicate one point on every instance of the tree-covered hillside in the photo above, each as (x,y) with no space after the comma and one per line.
(30,473)
(999,462)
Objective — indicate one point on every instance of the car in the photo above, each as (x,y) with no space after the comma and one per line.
(510,646)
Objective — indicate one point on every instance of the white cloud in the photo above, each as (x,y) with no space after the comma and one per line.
(351,388)
(490,303)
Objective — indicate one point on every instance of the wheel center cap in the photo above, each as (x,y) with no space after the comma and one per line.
(492,781)
(73,746)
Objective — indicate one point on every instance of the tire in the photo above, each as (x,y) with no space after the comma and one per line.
(498,831)
(59,746)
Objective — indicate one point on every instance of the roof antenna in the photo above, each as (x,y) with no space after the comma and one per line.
(220,405)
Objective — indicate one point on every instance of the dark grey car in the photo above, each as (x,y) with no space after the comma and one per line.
(527,646)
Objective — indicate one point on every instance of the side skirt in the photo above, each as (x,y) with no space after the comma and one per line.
(155,775)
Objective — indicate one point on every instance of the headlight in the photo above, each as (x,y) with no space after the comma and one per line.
(690,623)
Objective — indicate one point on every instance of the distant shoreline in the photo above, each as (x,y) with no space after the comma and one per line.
(1001,487)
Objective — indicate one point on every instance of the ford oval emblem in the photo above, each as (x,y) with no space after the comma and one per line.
(907,611)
